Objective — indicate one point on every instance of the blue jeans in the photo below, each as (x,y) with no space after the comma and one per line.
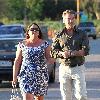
(72,82)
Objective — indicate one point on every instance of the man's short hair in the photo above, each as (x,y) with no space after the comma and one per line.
(68,12)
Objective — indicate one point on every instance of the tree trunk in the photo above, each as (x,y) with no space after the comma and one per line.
(97,15)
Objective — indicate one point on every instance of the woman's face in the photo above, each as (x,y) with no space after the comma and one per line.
(33,31)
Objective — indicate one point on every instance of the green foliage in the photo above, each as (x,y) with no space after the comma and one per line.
(3,8)
(16,9)
(54,8)
(97,24)
(56,25)
(92,8)
(96,6)
(35,9)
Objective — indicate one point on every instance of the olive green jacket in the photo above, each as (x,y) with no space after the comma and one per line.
(63,42)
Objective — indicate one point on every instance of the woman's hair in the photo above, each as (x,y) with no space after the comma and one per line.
(40,33)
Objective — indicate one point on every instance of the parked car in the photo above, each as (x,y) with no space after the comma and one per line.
(89,27)
(10,35)
(12,31)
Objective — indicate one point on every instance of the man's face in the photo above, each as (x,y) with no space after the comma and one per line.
(69,19)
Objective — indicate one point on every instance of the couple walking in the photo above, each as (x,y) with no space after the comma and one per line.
(70,46)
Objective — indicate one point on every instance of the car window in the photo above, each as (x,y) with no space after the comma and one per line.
(11,30)
(8,45)
(86,24)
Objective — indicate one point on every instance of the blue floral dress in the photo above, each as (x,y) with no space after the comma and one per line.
(33,77)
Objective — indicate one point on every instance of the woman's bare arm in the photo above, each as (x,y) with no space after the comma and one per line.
(17,64)
(48,55)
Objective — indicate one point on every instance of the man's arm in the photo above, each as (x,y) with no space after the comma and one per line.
(85,44)
(55,48)
(84,49)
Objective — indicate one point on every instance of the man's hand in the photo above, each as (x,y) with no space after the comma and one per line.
(77,53)
(64,54)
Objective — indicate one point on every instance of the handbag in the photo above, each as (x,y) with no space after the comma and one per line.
(15,94)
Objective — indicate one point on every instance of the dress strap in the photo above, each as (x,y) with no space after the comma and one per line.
(21,44)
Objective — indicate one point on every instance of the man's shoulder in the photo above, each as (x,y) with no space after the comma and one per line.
(79,31)
(58,34)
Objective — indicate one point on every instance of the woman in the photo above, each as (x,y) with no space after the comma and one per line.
(31,55)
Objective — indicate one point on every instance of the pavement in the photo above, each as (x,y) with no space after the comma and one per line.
(92,79)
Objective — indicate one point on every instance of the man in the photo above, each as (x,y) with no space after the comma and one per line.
(71,46)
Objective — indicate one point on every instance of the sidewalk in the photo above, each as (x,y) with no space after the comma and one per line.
(54,94)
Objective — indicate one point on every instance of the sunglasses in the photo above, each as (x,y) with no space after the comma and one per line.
(34,29)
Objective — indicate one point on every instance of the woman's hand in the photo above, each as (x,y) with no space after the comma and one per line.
(14,82)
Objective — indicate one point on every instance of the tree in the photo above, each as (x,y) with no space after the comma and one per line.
(35,9)
(91,8)
(96,6)
(16,9)
(3,7)
(54,8)
(49,9)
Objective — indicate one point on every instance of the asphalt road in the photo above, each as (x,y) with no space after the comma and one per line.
(92,77)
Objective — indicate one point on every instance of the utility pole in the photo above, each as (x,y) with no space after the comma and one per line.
(78,11)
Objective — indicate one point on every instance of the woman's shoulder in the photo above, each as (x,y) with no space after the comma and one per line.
(45,43)
(22,43)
